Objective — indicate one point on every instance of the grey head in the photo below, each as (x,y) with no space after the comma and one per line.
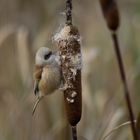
(45,56)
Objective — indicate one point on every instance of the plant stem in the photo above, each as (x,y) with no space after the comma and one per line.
(69,12)
(74,132)
(125,85)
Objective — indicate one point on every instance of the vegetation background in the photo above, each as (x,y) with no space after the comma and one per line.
(26,25)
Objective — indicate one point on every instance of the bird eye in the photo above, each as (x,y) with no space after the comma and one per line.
(47,56)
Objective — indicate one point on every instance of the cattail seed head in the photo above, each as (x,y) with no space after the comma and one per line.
(70,57)
(111,14)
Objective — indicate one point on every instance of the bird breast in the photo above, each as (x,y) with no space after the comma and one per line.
(50,80)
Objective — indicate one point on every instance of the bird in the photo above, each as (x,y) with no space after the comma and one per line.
(47,73)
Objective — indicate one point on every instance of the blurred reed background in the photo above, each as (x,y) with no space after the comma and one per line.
(26,25)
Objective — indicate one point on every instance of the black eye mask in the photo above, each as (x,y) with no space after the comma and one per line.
(47,56)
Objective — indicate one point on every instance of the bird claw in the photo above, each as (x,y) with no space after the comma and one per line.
(63,87)
(36,88)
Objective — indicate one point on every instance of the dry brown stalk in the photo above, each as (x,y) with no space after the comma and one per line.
(111,14)
(138,126)
(68,40)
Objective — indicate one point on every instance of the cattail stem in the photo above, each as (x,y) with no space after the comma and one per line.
(74,132)
(69,12)
(124,81)
(111,14)
(138,126)
(68,41)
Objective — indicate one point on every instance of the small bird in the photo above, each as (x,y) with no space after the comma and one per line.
(47,73)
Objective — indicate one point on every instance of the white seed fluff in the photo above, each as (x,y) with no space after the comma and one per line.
(74,94)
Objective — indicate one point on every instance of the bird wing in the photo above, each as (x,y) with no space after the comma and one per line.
(37,76)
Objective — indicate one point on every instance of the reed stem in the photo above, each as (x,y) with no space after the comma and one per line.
(125,85)
(74,133)
(69,12)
